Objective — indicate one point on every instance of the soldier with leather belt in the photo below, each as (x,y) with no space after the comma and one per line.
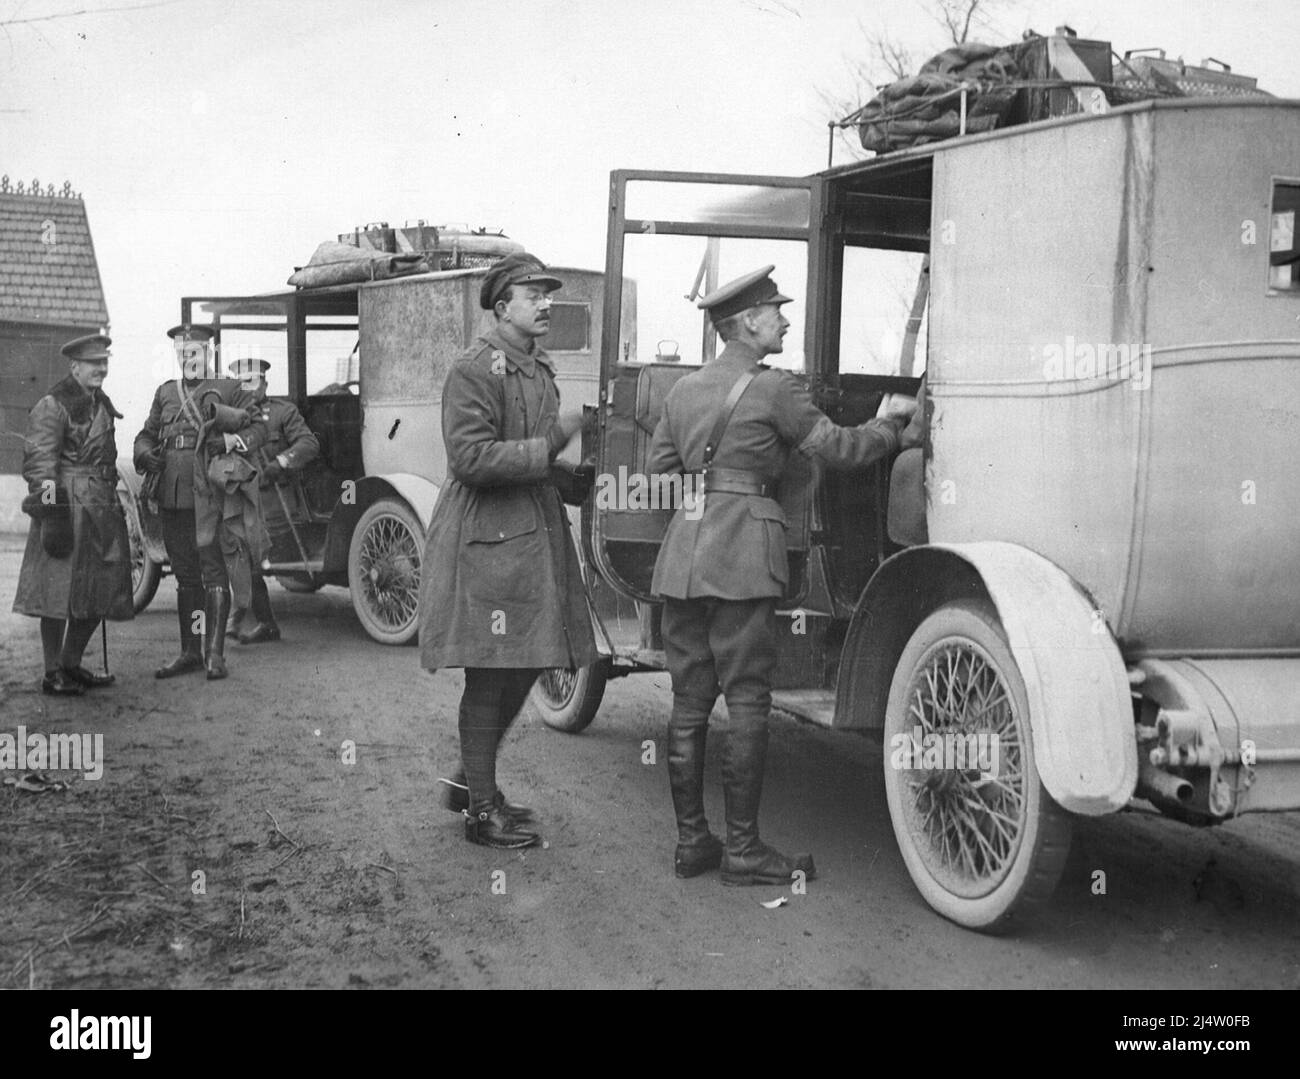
(289,446)
(722,571)
(192,421)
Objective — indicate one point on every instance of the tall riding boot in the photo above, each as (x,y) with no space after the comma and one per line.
(748,859)
(188,601)
(264,627)
(214,631)
(698,849)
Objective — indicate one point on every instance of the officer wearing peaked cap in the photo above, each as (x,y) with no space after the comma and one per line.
(721,572)
(501,591)
(193,421)
(76,567)
(290,446)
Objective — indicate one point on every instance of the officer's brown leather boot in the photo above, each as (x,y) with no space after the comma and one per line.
(748,860)
(188,601)
(698,849)
(214,631)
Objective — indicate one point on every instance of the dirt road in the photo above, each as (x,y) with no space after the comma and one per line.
(282,828)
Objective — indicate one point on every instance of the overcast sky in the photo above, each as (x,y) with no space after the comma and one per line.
(216,142)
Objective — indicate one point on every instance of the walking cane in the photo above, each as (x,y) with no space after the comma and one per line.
(103,636)
(284,505)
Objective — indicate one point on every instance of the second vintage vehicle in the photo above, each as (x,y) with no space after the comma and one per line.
(364,361)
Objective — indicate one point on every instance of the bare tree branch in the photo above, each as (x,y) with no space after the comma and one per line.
(86,11)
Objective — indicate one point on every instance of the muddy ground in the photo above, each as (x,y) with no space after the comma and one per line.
(233,842)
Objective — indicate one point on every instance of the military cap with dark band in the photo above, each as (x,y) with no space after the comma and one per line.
(518,269)
(192,333)
(248,367)
(89,349)
(752,290)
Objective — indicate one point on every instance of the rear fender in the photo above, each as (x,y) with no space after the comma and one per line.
(1080,705)
(416,491)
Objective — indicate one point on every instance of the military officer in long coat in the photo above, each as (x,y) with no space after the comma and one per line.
(722,571)
(176,446)
(501,592)
(289,446)
(76,568)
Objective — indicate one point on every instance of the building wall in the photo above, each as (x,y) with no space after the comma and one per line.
(30,363)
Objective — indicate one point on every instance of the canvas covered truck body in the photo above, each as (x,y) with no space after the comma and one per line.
(1096,596)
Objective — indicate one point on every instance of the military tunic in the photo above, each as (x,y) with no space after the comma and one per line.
(287,434)
(198,519)
(500,583)
(736,549)
(71,450)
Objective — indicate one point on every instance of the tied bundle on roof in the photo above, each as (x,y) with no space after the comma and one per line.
(337,264)
(927,106)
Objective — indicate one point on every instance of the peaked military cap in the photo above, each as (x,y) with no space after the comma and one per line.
(248,367)
(88,349)
(518,269)
(739,295)
(191,333)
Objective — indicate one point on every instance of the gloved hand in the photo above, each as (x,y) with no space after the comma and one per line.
(57,535)
(234,443)
(150,461)
(273,472)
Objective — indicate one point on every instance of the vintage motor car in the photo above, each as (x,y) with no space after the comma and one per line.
(1084,589)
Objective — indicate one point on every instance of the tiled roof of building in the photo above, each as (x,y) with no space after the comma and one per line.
(48,272)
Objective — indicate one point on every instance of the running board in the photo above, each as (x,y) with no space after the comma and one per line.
(813,705)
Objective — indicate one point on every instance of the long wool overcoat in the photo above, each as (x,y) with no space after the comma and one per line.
(71,450)
(500,583)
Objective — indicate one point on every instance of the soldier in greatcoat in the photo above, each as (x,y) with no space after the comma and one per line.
(76,568)
(501,591)
(721,572)
(194,421)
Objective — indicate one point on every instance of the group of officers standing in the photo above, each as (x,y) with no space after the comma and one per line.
(501,592)
(211,451)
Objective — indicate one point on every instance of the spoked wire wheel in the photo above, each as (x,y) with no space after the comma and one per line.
(384,571)
(981,837)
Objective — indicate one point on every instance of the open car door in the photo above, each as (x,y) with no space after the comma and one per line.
(674,237)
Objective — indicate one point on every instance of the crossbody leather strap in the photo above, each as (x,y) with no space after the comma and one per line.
(724,417)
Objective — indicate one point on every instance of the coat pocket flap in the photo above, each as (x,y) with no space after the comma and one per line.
(764,509)
(496,521)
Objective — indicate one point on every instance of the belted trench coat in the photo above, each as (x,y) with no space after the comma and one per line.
(71,451)
(500,582)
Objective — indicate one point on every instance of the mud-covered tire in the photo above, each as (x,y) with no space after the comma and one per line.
(568,700)
(984,845)
(384,571)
